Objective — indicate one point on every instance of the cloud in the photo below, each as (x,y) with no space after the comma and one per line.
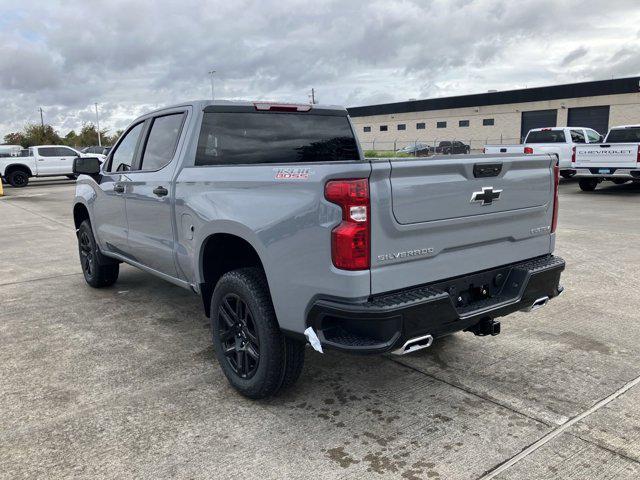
(573,55)
(134,56)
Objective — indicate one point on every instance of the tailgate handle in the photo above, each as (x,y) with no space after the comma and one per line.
(605,146)
(482,170)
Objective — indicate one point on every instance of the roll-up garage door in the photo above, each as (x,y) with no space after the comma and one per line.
(590,117)
(537,119)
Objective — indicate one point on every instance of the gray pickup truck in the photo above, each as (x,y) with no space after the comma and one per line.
(272,214)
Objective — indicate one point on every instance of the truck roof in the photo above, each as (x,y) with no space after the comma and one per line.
(40,146)
(201,104)
(619,127)
(557,128)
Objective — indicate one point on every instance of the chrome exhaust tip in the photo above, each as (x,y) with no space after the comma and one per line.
(414,344)
(539,303)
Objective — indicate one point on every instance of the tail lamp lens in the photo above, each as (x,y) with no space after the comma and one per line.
(528,150)
(350,241)
(556,181)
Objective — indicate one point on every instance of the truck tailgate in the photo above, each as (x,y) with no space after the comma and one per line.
(618,155)
(456,215)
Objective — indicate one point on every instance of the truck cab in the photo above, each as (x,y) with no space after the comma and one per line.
(38,161)
(557,141)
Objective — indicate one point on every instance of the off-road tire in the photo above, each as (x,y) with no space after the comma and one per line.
(98,271)
(279,360)
(588,184)
(18,178)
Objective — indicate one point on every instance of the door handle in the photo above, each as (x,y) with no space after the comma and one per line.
(118,188)
(160,191)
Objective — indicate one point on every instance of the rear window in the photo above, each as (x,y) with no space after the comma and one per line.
(242,138)
(624,135)
(546,136)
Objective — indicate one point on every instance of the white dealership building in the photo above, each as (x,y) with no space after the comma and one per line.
(498,116)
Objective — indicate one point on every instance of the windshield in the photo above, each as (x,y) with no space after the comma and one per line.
(241,138)
(546,136)
(624,135)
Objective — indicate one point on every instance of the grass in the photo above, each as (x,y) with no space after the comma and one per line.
(384,154)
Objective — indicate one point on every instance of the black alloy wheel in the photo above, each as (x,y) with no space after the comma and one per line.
(87,258)
(238,336)
(18,178)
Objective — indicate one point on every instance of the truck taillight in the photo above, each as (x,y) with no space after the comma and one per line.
(573,155)
(556,181)
(638,156)
(350,241)
(528,150)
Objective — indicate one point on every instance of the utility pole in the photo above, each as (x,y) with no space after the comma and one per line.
(312,96)
(98,125)
(212,72)
(41,119)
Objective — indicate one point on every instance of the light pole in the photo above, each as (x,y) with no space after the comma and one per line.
(98,125)
(212,72)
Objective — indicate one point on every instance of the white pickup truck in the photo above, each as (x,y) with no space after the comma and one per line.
(616,160)
(555,140)
(40,161)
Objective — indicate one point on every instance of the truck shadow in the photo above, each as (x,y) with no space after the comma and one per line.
(610,189)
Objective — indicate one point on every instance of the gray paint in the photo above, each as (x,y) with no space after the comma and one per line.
(415,204)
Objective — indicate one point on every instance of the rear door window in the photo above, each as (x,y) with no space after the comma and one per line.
(546,136)
(577,136)
(624,135)
(162,141)
(123,155)
(48,151)
(246,138)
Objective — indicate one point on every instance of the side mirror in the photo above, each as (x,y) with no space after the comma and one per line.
(86,166)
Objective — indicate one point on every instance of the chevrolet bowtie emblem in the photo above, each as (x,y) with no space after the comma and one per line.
(486,197)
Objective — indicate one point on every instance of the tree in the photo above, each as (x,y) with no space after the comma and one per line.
(35,134)
(14,138)
(71,139)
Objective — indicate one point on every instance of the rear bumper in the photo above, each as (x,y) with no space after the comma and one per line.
(614,172)
(385,322)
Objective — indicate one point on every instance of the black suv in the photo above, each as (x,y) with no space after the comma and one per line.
(452,147)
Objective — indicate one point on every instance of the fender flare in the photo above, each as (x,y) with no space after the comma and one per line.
(228,227)
(20,166)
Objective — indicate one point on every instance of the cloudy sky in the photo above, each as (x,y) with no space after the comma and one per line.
(132,56)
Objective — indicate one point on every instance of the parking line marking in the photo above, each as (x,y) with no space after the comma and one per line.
(471,392)
(554,433)
(40,279)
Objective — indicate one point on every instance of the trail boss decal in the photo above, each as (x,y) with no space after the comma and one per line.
(293,173)
(409,253)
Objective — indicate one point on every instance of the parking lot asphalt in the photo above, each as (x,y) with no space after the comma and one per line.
(122,382)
